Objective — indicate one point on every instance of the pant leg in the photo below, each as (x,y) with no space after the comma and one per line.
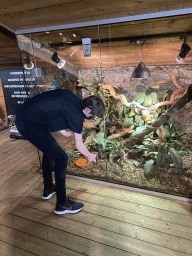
(51,150)
(47,172)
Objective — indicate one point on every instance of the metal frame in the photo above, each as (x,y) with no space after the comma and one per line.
(108,21)
(140,190)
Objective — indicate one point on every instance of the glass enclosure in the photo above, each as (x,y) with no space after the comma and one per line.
(144,140)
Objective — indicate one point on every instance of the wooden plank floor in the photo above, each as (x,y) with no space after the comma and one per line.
(113,222)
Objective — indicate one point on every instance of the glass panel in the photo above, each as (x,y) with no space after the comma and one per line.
(40,48)
(145,157)
(144,138)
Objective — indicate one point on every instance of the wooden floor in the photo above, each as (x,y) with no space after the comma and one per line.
(113,222)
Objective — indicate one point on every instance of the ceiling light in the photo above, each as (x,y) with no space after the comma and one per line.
(141,70)
(28,64)
(55,58)
(185,48)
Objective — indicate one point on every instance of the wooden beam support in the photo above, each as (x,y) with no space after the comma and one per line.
(34,48)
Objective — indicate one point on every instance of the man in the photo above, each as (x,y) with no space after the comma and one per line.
(53,111)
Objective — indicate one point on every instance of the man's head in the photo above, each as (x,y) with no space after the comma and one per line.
(93,106)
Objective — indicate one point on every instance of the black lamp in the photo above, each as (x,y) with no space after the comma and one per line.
(141,71)
(185,48)
(55,58)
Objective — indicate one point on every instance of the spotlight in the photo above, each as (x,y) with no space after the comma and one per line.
(55,58)
(185,48)
(28,64)
(86,47)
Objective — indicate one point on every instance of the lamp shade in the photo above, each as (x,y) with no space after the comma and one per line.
(141,71)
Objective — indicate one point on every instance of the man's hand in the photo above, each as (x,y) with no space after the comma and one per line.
(82,148)
(67,134)
(92,158)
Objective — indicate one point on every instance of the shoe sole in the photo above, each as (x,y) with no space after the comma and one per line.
(49,196)
(68,211)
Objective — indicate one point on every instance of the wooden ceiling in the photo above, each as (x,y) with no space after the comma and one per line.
(111,44)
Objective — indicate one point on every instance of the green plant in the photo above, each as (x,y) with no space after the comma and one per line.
(116,147)
(128,117)
(159,154)
(110,148)
(109,102)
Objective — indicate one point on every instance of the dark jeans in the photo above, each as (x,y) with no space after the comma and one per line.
(51,150)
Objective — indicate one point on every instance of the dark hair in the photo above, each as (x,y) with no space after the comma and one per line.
(96,105)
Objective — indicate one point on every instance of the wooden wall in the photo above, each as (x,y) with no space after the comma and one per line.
(9,53)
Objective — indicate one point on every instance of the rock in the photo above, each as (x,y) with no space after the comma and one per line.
(136,163)
(134,153)
(173,171)
(103,165)
(115,169)
(176,181)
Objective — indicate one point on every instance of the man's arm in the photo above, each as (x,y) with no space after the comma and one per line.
(82,148)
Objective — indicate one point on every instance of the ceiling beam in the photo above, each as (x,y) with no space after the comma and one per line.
(34,48)
(147,16)
(7,32)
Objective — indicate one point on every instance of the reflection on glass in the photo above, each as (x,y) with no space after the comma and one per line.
(144,138)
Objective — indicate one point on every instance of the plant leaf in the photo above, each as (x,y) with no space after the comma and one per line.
(166,130)
(148,101)
(137,119)
(162,156)
(156,114)
(148,166)
(139,129)
(180,144)
(131,113)
(177,159)
(153,95)
(100,139)
(140,98)
(121,112)
(127,122)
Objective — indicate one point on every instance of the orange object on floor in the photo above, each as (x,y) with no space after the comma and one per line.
(82,162)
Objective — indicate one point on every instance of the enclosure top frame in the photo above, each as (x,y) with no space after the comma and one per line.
(147,16)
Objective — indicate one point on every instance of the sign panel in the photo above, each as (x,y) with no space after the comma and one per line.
(16,87)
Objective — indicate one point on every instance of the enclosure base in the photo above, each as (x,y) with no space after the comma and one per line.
(143,191)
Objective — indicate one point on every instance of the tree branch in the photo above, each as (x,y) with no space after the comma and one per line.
(174,109)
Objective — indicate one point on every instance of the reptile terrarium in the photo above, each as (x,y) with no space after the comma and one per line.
(144,140)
